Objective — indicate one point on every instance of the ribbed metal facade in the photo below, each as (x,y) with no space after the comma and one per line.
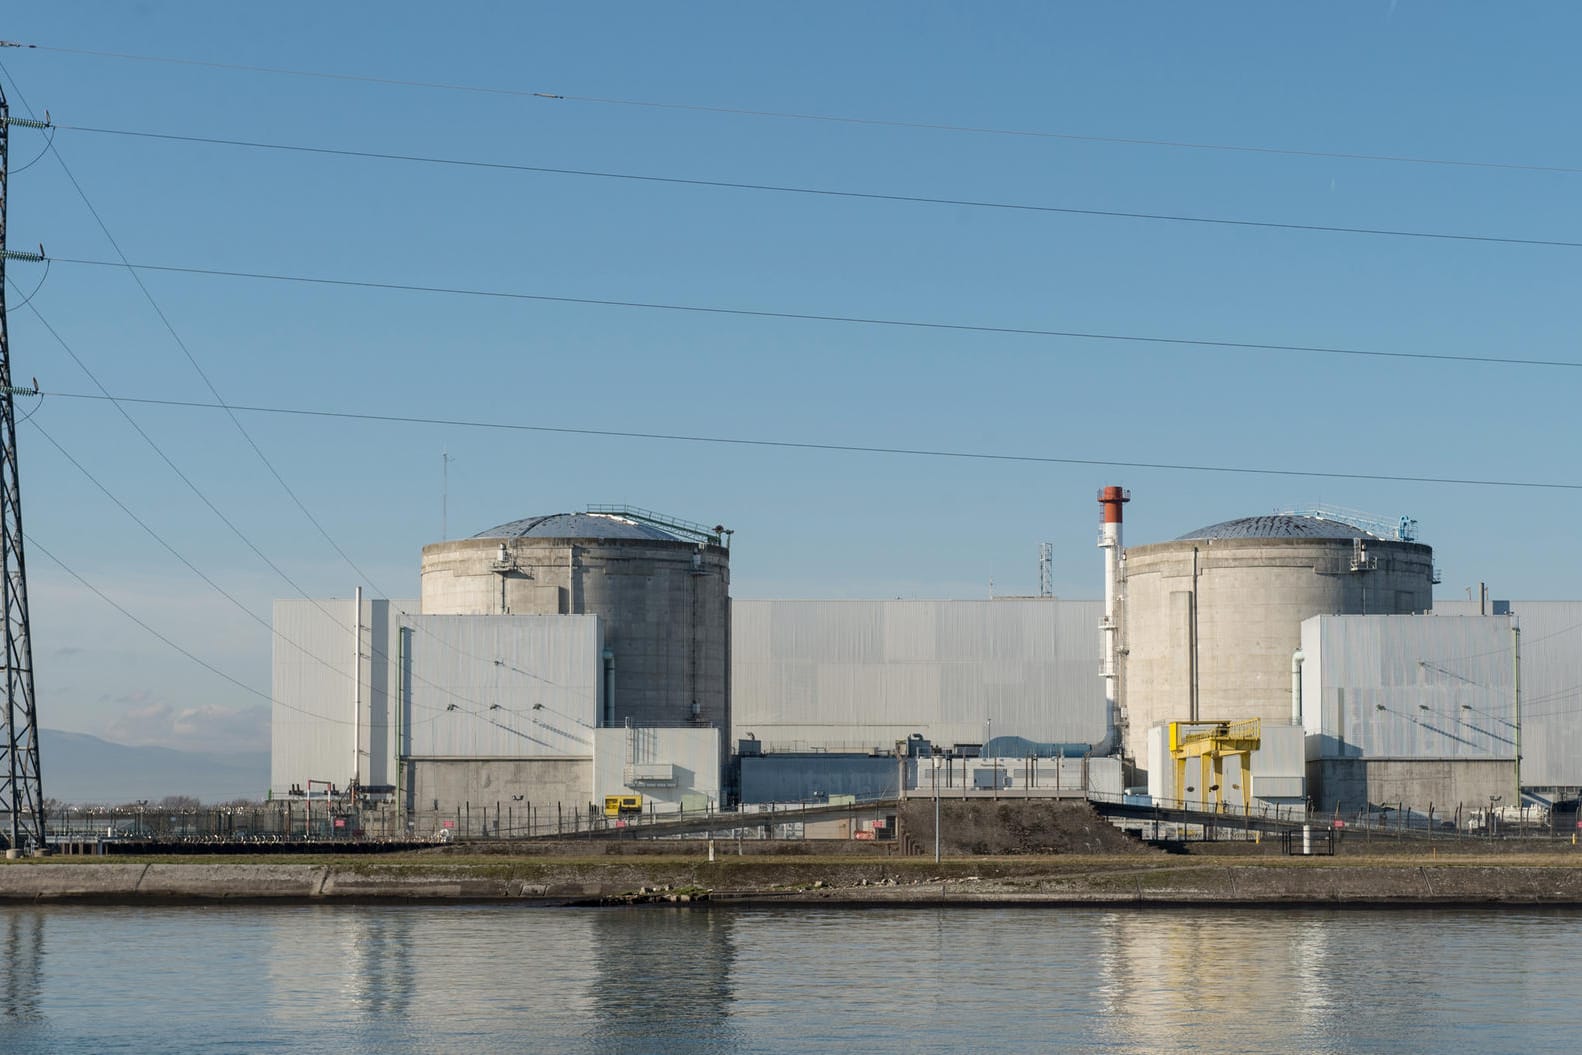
(314,686)
(1279,768)
(1409,687)
(484,686)
(1551,653)
(435,687)
(859,675)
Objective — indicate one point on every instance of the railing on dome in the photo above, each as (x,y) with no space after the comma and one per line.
(718,535)
(1401,529)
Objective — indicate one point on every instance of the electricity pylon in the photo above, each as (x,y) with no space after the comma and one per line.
(21,787)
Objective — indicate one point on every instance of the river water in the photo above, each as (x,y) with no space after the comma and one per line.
(474,979)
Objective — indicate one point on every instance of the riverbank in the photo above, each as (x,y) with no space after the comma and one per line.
(1393,880)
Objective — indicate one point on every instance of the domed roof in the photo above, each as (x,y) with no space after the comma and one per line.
(579,525)
(1281,525)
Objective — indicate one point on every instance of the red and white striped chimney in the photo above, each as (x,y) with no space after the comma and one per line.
(1111,499)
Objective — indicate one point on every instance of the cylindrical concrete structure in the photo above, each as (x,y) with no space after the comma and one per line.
(664,601)
(1213,617)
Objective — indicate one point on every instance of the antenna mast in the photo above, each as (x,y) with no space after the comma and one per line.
(21,789)
(444,494)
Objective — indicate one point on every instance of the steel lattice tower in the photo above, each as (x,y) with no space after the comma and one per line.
(21,787)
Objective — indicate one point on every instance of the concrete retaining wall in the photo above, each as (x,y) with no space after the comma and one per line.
(1425,880)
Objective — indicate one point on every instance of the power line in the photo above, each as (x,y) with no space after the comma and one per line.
(772,188)
(182,344)
(842,448)
(194,657)
(1021,133)
(754,313)
(240,606)
(205,664)
(374,650)
(217,588)
(166,545)
(209,384)
(169,462)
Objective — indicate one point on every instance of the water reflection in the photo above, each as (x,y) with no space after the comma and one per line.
(413,975)
(1167,973)
(23,966)
(382,979)
(421,978)
(664,981)
(1328,980)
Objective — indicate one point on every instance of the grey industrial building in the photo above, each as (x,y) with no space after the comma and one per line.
(551,661)
(1210,620)
(825,690)
(563,658)
(1327,624)
(662,593)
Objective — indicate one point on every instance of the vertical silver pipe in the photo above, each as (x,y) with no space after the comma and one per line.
(1516,649)
(1296,686)
(357,686)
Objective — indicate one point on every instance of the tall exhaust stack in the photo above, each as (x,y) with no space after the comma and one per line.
(1111,499)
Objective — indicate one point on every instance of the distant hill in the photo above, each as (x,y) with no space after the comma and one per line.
(82,768)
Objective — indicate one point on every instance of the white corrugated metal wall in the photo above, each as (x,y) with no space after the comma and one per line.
(476,686)
(1551,688)
(313,689)
(857,675)
(1410,687)
(503,686)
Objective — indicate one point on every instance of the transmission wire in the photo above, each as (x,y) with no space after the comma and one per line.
(704,309)
(843,448)
(830,192)
(825,118)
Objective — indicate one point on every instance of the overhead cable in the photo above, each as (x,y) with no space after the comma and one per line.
(192,486)
(918,324)
(843,448)
(192,360)
(34,544)
(911,199)
(840,119)
(208,383)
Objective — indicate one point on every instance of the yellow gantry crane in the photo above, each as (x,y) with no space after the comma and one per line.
(1211,743)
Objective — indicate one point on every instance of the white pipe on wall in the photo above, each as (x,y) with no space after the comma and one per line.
(1297,658)
(357,685)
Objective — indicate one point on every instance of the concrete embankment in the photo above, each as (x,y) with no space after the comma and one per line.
(1551,879)
(272,881)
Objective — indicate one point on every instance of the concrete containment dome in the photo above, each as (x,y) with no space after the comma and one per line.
(580,525)
(1209,621)
(1280,525)
(660,586)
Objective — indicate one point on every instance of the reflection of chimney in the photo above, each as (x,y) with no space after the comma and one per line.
(1111,499)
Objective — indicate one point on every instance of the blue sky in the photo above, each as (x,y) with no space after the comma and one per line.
(1441,81)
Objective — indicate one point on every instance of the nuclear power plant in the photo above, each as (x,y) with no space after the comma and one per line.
(1297,659)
